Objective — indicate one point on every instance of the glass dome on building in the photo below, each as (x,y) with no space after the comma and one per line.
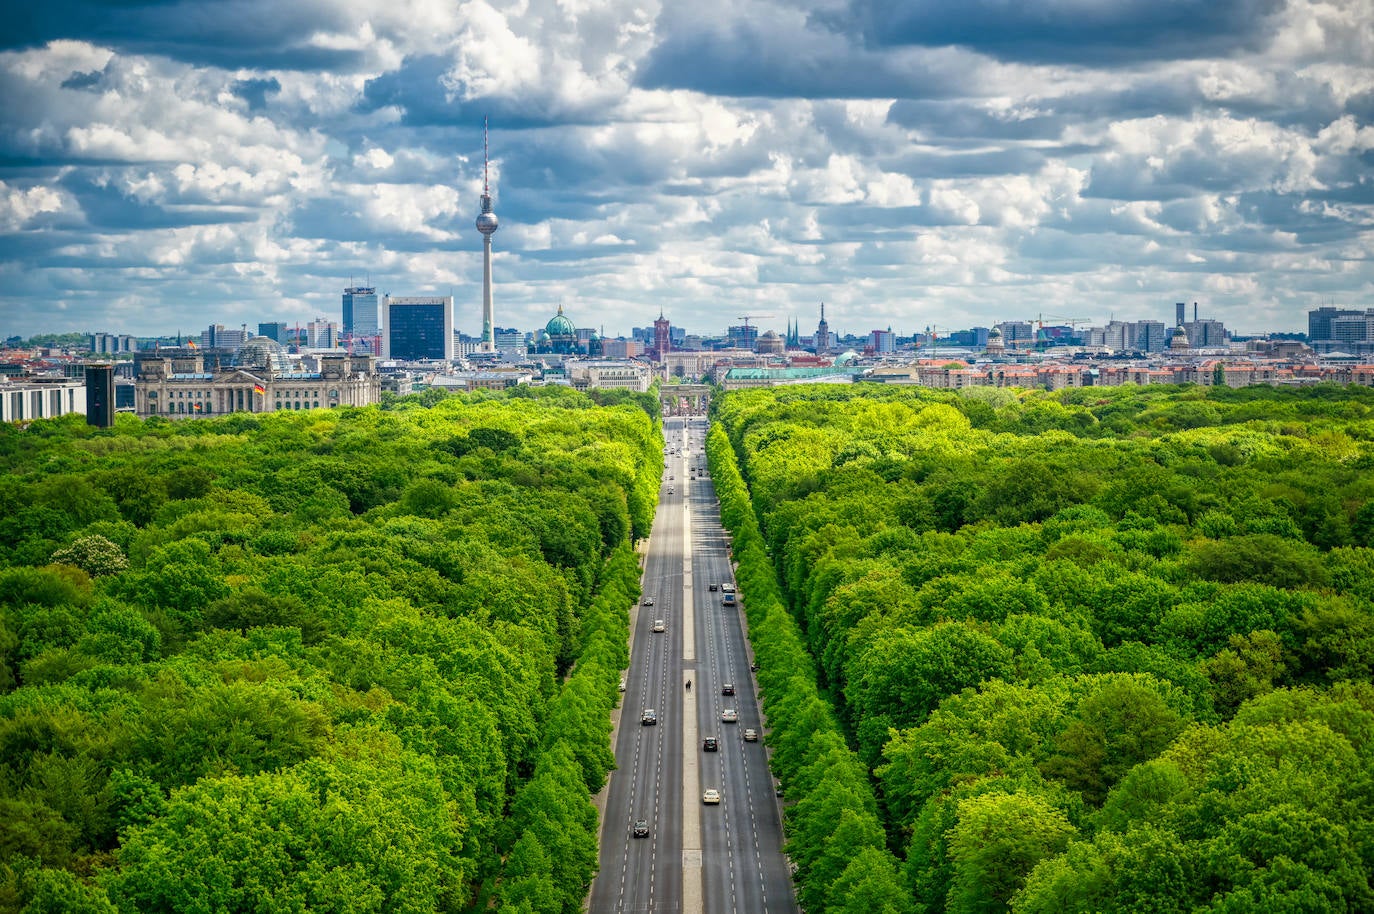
(262,353)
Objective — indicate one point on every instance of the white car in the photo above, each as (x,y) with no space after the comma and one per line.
(647,601)
(711,797)
(729,716)
(751,735)
(660,625)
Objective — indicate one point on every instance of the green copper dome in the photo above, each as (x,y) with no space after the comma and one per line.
(560,325)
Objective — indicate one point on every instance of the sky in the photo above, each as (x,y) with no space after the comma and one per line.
(170,164)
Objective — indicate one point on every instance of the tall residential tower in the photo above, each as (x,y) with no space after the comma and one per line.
(487,225)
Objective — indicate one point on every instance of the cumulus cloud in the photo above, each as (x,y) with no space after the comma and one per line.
(176,163)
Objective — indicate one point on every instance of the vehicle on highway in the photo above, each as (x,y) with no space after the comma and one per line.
(711,797)
(649,718)
(727,689)
(660,625)
(670,490)
(714,587)
(751,735)
(729,716)
(728,587)
(710,744)
(641,829)
(647,601)
(728,600)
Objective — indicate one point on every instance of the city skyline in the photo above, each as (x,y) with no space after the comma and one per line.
(910,165)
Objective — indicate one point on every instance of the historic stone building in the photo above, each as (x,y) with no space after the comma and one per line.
(260,380)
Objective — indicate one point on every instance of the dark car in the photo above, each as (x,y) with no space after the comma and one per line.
(713,588)
(728,689)
(641,829)
(710,744)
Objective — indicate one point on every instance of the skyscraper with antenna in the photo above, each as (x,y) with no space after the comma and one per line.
(487,225)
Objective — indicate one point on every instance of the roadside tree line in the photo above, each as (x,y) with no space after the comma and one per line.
(357,659)
(1098,650)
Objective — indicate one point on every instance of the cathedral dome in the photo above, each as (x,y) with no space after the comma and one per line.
(559,325)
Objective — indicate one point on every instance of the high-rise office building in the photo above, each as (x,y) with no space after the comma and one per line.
(1017,334)
(110,343)
(360,311)
(417,327)
(1149,336)
(742,336)
(1353,328)
(100,395)
(322,334)
(1322,321)
(881,341)
(276,330)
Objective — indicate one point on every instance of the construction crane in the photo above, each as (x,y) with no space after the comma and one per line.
(1073,322)
(750,317)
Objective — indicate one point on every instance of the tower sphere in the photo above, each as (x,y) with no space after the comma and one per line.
(486,222)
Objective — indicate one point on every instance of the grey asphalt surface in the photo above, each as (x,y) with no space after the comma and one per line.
(740,866)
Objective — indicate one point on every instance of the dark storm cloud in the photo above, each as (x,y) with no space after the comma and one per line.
(1065,31)
(229,33)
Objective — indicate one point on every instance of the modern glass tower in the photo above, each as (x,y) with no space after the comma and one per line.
(360,311)
(418,327)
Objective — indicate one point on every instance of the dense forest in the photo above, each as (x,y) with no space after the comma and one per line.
(1100,650)
(356,660)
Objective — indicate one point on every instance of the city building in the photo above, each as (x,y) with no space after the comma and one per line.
(276,330)
(1206,334)
(995,345)
(217,336)
(663,340)
(742,336)
(322,334)
(261,379)
(583,375)
(1016,334)
(483,379)
(111,343)
(511,343)
(882,341)
(770,343)
(100,394)
(26,399)
(360,313)
(822,341)
(559,336)
(416,328)
(620,349)
(1353,328)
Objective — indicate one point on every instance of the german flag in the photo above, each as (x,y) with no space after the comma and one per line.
(259,389)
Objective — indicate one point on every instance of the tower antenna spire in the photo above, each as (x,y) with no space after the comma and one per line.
(487,225)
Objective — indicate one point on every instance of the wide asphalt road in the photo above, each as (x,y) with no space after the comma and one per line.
(697,859)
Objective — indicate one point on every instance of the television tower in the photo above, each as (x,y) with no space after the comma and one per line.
(487,225)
